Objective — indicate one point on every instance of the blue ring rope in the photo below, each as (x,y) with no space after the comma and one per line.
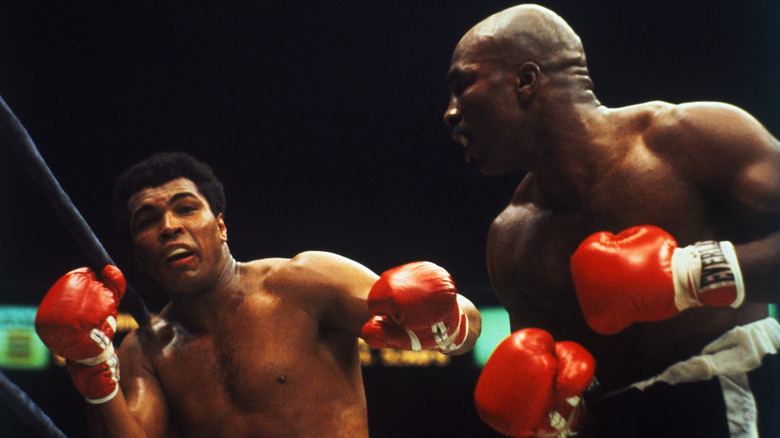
(27,410)
(12,132)
(16,137)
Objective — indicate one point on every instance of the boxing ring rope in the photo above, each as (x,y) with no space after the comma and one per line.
(15,135)
(12,131)
(27,410)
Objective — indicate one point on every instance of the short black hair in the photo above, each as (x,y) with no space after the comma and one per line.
(159,169)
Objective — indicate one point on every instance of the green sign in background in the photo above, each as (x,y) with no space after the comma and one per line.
(20,347)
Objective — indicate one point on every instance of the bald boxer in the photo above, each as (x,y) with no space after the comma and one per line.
(267,348)
(646,234)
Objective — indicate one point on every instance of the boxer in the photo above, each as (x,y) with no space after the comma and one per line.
(673,344)
(266,348)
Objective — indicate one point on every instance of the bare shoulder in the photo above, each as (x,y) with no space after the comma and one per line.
(131,344)
(711,143)
(697,113)
(329,286)
(140,346)
(708,127)
(153,336)
(312,271)
(318,266)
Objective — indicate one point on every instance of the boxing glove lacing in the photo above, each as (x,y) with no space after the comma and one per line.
(563,426)
(103,342)
(107,356)
(444,341)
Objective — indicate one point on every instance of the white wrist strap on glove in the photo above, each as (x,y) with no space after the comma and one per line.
(103,342)
(113,365)
(107,357)
(703,267)
(444,341)
(100,358)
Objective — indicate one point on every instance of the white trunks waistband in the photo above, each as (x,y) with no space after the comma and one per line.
(738,351)
(729,359)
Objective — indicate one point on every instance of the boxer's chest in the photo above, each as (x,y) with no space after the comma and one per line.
(528,257)
(246,366)
(530,244)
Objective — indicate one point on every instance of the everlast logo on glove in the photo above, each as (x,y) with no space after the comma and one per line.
(641,274)
(710,273)
(715,270)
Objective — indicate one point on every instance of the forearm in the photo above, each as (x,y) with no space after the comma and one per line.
(117,420)
(759,263)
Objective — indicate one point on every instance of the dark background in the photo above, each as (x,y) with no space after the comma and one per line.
(323,120)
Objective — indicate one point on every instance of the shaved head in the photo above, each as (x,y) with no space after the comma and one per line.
(529,33)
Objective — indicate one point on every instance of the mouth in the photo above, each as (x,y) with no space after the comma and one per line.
(178,254)
(462,139)
(460,135)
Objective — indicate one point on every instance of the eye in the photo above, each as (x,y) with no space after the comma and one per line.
(185,209)
(457,87)
(145,222)
(460,83)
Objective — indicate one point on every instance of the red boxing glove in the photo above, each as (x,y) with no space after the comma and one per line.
(532,386)
(98,383)
(416,308)
(641,275)
(77,320)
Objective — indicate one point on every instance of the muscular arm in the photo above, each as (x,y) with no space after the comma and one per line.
(757,189)
(736,158)
(139,409)
(332,287)
(341,288)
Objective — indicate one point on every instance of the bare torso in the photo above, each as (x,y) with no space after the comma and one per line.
(269,368)
(531,241)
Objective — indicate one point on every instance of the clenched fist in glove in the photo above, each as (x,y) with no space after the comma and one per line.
(641,275)
(77,320)
(415,307)
(532,386)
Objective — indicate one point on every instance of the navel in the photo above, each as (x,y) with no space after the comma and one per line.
(281,378)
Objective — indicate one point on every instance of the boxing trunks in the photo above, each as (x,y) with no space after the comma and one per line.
(732,389)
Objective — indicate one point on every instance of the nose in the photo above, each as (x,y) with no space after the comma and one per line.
(452,115)
(169,226)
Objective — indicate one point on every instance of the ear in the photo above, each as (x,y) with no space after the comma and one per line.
(222,227)
(527,77)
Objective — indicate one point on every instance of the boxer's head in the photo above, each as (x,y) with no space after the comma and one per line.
(506,75)
(160,169)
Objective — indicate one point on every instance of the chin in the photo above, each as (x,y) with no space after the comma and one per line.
(181,283)
(485,172)
(498,167)
(490,170)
